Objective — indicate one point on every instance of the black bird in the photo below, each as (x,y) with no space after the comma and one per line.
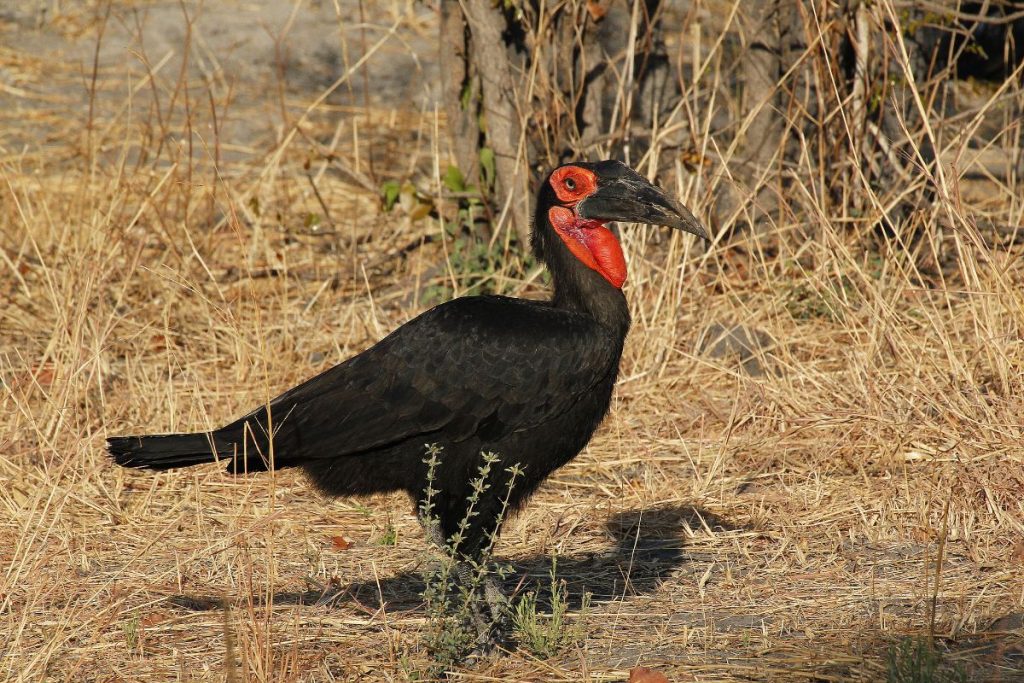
(527,380)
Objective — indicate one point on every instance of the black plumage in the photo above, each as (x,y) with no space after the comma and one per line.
(527,380)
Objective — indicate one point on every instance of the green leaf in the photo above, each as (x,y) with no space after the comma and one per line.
(487,166)
(454,180)
(312,219)
(389,191)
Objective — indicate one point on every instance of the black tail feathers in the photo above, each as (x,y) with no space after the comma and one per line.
(166,451)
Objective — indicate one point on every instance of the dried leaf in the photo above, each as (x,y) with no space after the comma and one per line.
(43,375)
(693,160)
(153,620)
(340,543)
(421,211)
(1018,553)
(641,674)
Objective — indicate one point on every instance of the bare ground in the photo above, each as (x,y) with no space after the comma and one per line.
(167,264)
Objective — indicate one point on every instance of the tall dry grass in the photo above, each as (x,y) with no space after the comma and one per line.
(160,274)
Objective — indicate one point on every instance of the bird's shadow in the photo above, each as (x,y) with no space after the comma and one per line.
(647,546)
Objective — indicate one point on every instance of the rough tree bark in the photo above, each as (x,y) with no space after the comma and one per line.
(771,40)
(540,84)
(456,77)
(502,118)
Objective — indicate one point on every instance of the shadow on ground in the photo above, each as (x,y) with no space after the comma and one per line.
(647,547)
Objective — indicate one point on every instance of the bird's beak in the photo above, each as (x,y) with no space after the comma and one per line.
(634,200)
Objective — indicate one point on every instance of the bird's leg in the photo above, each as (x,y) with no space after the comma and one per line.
(468,581)
(489,631)
(434,533)
(496,598)
(466,572)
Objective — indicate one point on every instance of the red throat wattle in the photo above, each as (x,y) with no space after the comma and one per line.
(591,242)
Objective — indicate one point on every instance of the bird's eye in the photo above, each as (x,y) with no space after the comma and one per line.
(570,184)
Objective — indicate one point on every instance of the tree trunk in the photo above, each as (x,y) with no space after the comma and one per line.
(550,84)
(763,28)
(459,90)
(501,116)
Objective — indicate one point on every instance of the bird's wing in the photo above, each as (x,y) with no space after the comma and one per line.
(474,366)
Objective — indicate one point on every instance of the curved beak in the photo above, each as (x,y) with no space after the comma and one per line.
(632,199)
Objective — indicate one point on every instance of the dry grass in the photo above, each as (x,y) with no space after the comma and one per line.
(161,272)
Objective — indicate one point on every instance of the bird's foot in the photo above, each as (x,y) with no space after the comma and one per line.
(490,638)
(492,633)
(497,601)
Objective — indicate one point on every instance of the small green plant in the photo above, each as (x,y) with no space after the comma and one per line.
(473,260)
(389,193)
(547,635)
(915,660)
(130,629)
(389,536)
(825,302)
(475,257)
(454,586)
(312,220)
(487,168)
(364,510)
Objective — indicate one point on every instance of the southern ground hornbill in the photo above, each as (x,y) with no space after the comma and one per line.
(527,380)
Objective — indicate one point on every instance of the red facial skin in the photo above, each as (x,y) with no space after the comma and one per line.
(588,240)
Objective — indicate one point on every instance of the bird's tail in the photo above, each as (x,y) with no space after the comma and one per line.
(167,451)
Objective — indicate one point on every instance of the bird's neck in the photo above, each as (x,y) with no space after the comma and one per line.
(586,292)
(578,287)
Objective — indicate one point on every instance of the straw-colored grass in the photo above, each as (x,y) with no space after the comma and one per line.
(166,264)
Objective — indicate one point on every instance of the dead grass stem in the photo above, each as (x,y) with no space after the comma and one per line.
(168,262)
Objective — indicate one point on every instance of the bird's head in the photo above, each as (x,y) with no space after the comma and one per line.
(580,198)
